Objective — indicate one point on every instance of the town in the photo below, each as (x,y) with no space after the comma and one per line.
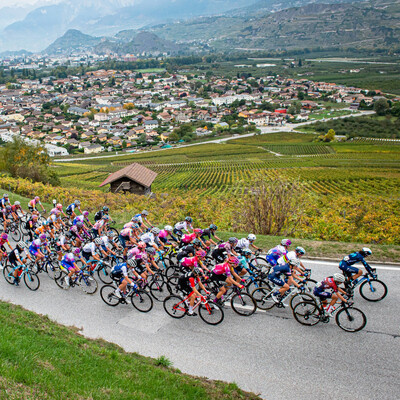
(108,110)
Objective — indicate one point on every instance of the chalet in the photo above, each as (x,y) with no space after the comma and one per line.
(134,178)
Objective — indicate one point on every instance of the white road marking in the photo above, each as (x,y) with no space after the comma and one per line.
(336,264)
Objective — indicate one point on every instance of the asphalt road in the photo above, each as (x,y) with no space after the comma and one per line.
(268,353)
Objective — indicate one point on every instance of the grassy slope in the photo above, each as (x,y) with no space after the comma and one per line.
(40,359)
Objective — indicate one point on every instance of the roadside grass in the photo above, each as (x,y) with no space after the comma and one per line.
(40,359)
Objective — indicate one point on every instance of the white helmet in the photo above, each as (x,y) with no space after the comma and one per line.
(251,237)
(295,262)
(338,278)
(366,251)
(168,228)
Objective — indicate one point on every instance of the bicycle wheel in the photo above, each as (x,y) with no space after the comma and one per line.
(174,306)
(8,274)
(171,270)
(142,301)
(104,274)
(172,284)
(262,264)
(258,282)
(52,269)
(309,284)
(351,319)
(88,283)
(307,313)
(15,233)
(31,280)
(374,290)
(263,298)
(159,291)
(211,313)
(299,298)
(107,294)
(60,280)
(243,304)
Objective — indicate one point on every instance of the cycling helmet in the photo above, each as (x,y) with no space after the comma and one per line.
(79,224)
(21,245)
(106,217)
(197,271)
(5,195)
(59,206)
(43,237)
(155,230)
(196,242)
(8,208)
(151,251)
(365,251)
(4,236)
(86,213)
(247,252)
(132,263)
(77,202)
(168,228)
(145,212)
(17,203)
(141,245)
(105,209)
(189,219)
(77,251)
(251,237)
(233,260)
(295,262)
(37,198)
(338,278)
(200,253)
(135,219)
(286,242)
(45,223)
(97,241)
(68,234)
(300,250)
(213,227)
(232,240)
(198,231)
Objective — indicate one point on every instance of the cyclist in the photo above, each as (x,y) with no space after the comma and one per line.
(68,262)
(187,285)
(297,253)
(100,214)
(3,242)
(8,216)
(188,238)
(16,208)
(165,233)
(32,205)
(209,235)
(31,225)
(127,236)
(225,273)
(70,210)
(346,265)
(104,246)
(43,229)
(89,251)
(120,273)
(275,276)
(63,244)
(243,267)
(84,217)
(278,251)
(142,219)
(184,225)
(245,243)
(100,225)
(193,262)
(4,201)
(227,248)
(189,250)
(35,248)
(15,257)
(151,238)
(324,290)
(77,232)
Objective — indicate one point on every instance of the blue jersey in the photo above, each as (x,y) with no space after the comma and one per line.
(279,270)
(121,268)
(355,258)
(71,207)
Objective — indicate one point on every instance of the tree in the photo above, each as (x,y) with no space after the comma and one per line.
(330,136)
(381,106)
(22,160)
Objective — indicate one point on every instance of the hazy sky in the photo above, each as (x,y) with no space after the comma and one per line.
(4,3)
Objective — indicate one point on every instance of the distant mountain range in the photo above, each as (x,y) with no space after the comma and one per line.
(117,26)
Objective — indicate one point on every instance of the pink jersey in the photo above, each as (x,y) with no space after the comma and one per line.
(137,254)
(129,225)
(98,224)
(222,269)
(188,238)
(127,232)
(163,234)
(189,262)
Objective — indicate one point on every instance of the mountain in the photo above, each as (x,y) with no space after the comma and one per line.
(358,24)
(44,24)
(72,42)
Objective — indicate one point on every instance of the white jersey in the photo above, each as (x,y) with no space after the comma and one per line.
(104,240)
(291,255)
(243,244)
(148,238)
(90,248)
(184,225)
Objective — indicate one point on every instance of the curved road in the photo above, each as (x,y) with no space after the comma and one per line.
(268,353)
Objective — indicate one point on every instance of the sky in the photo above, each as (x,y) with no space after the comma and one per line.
(4,3)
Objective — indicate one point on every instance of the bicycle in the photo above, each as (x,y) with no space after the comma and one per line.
(13,230)
(347,317)
(31,280)
(139,298)
(177,307)
(87,283)
(369,286)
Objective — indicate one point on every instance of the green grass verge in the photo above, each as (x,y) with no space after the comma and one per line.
(40,359)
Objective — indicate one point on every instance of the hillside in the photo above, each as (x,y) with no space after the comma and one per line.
(360,24)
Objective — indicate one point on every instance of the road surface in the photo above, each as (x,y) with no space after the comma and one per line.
(268,353)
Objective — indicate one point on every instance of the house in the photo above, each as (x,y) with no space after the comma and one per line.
(151,124)
(134,178)
(78,111)
(94,148)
